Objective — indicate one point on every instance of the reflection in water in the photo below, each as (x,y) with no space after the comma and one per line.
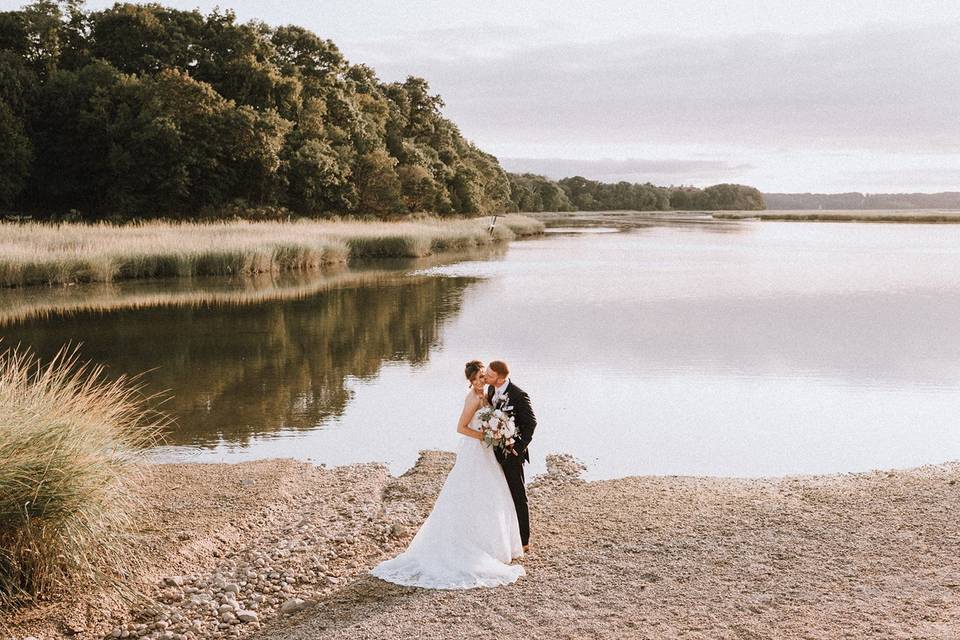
(238,370)
(18,305)
(605,221)
(694,347)
(781,348)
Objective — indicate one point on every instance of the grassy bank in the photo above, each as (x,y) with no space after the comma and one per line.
(19,304)
(36,253)
(875,215)
(68,442)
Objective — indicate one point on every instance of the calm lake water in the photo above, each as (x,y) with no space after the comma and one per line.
(707,348)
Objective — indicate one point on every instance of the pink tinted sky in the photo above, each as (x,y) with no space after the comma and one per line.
(787,96)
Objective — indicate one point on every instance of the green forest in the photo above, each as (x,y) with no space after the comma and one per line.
(143,111)
(530,192)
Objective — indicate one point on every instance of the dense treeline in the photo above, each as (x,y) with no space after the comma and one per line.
(143,110)
(854,200)
(530,192)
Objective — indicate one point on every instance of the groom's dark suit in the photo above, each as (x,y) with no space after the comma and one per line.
(525,422)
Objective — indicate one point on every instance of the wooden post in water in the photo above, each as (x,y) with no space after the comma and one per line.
(493,224)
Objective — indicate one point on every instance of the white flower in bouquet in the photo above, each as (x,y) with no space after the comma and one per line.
(498,428)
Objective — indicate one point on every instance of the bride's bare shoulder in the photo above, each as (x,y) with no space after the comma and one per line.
(472,399)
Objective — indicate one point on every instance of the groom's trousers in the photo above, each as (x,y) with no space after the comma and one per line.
(513,471)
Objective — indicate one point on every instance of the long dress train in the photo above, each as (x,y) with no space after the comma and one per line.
(471,536)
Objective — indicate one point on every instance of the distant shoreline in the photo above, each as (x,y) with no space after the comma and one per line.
(925,216)
(916,216)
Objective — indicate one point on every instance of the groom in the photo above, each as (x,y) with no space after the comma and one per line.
(503,393)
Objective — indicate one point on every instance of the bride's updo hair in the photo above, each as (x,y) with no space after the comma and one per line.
(472,368)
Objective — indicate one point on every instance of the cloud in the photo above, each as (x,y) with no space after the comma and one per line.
(882,87)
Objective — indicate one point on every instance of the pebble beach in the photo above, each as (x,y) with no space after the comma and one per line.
(281,550)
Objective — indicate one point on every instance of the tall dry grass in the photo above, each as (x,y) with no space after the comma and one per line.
(69,442)
(26,303)
(37,253)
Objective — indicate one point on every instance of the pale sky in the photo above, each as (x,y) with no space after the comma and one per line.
(787,96)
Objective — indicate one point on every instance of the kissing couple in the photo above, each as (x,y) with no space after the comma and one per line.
(480,522)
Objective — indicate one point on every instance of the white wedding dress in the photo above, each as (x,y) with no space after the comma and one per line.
(470,537)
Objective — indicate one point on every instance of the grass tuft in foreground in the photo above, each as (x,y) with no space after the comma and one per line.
(69,442)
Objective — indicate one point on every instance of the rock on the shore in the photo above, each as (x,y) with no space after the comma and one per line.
(636,557)
(244,615)
(292,606)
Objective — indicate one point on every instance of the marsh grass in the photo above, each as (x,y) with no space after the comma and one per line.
(69,444)
(21,304)
(36,253)
(926,216)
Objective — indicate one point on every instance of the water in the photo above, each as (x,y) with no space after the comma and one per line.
(706,348)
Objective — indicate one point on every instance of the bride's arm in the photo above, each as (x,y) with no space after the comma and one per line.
(470,406)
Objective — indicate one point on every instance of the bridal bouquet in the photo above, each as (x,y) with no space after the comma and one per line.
(498,429)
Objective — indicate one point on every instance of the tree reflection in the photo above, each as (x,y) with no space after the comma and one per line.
(237,371)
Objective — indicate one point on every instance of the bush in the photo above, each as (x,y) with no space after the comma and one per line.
(69,442)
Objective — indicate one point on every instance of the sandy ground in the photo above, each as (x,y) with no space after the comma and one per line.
(872,555)
(199,519)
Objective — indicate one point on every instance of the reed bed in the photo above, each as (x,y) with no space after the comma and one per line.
(37,253)
(925,216)
(18,305)
(69,444)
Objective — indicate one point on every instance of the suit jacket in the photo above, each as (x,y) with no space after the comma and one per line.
(523,418)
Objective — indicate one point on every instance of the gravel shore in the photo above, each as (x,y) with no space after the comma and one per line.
(280,550)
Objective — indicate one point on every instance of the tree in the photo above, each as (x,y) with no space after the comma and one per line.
(18,83)
(683,197)
(143,39)
(420,192)
(302,53)
(34,33)
(206,150)
(142,110)
(15,155)
(316,179)
(530,192)
(730,196)
(69,121)
(378,185)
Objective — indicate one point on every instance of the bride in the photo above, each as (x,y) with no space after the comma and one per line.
(470,537)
